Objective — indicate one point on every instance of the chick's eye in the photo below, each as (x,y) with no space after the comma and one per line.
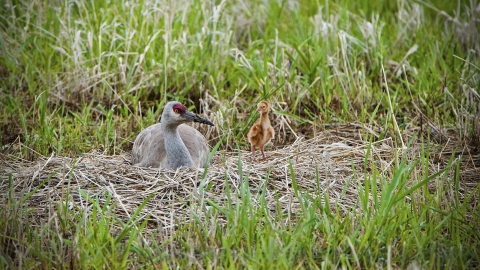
(175,110)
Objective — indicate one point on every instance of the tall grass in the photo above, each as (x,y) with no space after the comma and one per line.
(82,75)
(321,61)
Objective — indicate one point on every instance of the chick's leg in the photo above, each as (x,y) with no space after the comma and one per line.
(263,152)
(252,148)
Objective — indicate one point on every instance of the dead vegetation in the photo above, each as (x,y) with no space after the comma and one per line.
(333,163)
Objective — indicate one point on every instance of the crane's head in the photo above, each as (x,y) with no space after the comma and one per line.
(263,107)
(174,113)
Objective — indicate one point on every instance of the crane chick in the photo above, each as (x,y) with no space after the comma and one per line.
(261,132)
(171,144)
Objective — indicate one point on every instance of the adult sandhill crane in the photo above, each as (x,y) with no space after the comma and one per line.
(261,132)
(171,144)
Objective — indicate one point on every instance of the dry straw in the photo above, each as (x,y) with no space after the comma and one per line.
(331,164)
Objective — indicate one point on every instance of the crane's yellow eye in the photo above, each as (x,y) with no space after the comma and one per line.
(175,110)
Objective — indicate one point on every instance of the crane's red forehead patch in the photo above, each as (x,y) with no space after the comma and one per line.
(180,108)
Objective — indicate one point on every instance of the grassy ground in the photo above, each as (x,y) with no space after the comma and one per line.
(78,76)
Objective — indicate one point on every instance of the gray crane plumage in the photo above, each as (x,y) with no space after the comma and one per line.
(171,144)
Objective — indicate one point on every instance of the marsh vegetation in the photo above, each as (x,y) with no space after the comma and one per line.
(375,163)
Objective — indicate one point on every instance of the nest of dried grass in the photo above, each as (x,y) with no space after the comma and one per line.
(330,164)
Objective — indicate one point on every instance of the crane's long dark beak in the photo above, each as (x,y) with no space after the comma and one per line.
(195,118)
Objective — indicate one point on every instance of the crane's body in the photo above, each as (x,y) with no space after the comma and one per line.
(171,144)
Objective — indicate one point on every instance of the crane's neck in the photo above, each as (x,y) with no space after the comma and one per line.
(177,152)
